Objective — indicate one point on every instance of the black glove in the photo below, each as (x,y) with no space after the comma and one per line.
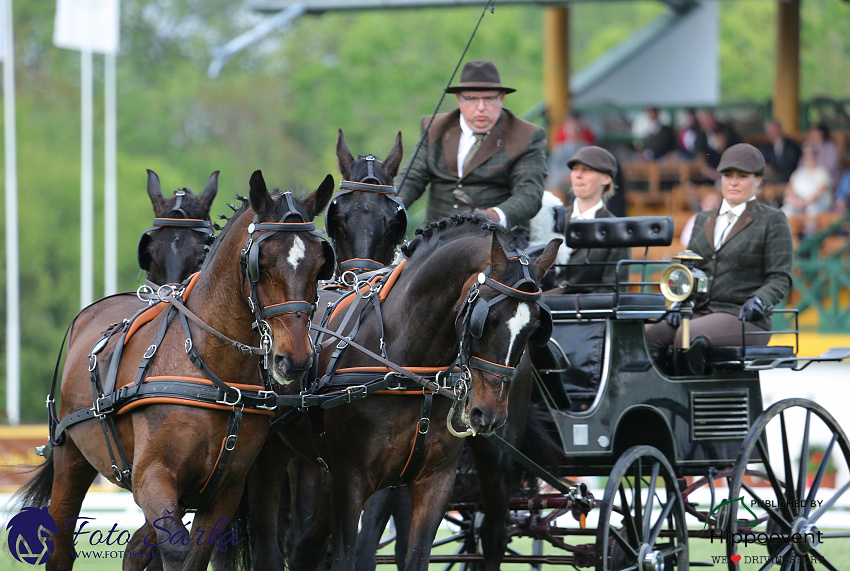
(674,318)
(752,310)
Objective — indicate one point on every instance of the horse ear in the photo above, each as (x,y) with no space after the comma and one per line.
(343,156)
(498,259)
(210,191)
(261,200)
(155,193)
(317,202)
(545,260)
(393,160)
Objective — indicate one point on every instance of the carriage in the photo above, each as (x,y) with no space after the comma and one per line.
(680,442)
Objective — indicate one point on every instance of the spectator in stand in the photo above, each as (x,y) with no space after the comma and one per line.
(781,153)
(572,135)
(826,149)
(842,193)
(660,139)
(714,138)
(709,201)
(688,133)
(808,191)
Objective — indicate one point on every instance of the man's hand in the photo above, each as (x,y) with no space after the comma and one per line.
(752,310)
(489,213)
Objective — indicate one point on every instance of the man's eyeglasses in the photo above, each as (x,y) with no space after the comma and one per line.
(487,99)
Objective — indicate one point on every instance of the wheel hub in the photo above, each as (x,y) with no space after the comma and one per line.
(809,534)
(650,559)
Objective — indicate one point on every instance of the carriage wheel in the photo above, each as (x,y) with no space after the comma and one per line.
(642,518)
(795,497)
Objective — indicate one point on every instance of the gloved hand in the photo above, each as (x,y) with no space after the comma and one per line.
(674,318)
(752,310)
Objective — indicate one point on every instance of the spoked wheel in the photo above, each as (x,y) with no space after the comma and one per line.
(792,510)
(642,519)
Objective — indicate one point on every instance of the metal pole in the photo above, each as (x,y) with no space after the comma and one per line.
(110,198)
(13,314)
(87,181)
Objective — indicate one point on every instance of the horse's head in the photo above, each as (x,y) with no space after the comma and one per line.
(282,259)
(366,220)
(499,314)
(177,243)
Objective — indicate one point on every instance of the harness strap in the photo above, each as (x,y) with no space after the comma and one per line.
(503,371)
(414,461)
(227,446)
(288,307)
(241,347)
(362,264)
(379,188)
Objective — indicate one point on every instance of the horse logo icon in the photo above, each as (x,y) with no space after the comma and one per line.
(30,535)
(727,502)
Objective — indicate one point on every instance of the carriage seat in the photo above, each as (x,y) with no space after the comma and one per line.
(607,305)
(733,357)
(626,232)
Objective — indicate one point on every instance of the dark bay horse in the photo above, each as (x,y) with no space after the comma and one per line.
(371,443)
(258,285)
(182,232)
(366,220)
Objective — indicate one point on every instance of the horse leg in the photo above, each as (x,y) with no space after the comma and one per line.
(143,557)
(376,514)
(347,501)
(429,498)
(402,514)
(310,517)
(72,477)
(493,475)
(266,484)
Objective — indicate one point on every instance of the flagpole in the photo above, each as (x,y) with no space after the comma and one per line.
(110,199)
(87,179)
(13,314)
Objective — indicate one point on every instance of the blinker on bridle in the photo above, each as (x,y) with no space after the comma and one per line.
(290,221)
(370,183)
(175,218)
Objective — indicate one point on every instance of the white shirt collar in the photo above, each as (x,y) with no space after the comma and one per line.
(737,210)
(588,214)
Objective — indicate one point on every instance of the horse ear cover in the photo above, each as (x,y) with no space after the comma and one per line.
(142,252)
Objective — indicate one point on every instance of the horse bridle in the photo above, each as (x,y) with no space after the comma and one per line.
(370,183)
(175,218)
(249,260)
(475,310)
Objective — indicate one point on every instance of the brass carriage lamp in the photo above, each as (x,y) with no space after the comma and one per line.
(681,281)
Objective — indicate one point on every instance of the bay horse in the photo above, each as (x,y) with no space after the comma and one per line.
(177,243)
(366,220)
(258,283)
(386,439)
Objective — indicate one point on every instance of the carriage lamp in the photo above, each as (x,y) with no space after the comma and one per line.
(680,280)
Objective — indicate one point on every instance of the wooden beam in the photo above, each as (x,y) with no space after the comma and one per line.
(786,87)
(556,67)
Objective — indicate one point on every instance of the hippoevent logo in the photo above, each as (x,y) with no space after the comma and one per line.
(729,502)
(31,534)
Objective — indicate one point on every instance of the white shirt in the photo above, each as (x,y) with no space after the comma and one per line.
(467,139)
(724,223)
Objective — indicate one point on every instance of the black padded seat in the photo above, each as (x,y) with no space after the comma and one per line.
(733,357)
(604,305)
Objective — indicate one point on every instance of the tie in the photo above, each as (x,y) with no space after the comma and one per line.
(730,221)
(478,138)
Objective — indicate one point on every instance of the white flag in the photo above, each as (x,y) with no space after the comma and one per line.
(87,24)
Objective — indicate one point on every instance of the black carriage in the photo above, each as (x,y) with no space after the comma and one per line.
(681,437)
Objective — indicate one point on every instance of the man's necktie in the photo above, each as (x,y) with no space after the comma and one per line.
(472,150)
(730,221)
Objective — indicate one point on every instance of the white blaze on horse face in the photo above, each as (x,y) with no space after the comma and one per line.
(516,325)
(296,253)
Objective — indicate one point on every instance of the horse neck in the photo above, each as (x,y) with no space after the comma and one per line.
(420,318)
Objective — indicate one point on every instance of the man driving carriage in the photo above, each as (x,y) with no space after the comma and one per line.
(746,251)
(479,157)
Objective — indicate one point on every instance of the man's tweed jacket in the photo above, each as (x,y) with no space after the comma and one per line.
(754,260)
(507,170)
(577,272)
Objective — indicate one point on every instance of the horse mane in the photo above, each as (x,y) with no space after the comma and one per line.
(429,238)
(245,205)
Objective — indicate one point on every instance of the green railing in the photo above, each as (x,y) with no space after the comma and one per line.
(822,282)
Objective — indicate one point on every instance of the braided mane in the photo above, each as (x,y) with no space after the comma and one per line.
(455,226)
